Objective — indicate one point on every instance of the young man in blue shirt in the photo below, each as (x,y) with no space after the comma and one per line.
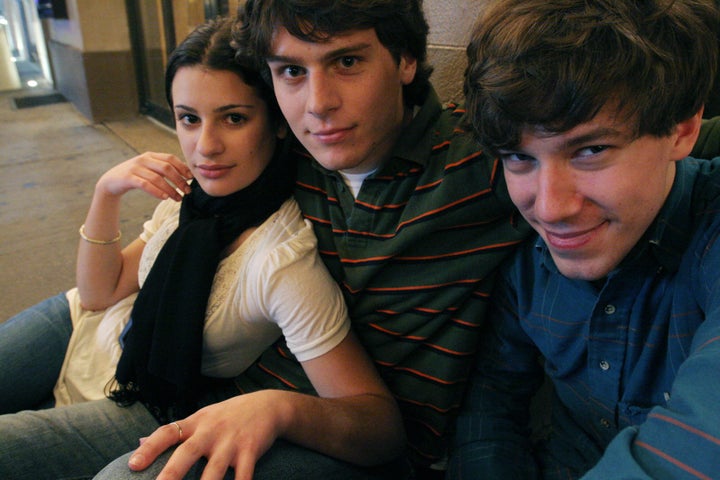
(592,108)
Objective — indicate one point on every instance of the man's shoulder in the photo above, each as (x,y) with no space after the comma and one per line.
(438,129)
(451,125)
(442,145)
(702,181)
(454,116)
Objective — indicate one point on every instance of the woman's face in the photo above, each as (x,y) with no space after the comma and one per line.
(224,128)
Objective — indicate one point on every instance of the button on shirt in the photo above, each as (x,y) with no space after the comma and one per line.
(635,362)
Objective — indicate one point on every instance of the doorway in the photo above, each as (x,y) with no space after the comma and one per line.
(155,28)
(24,61)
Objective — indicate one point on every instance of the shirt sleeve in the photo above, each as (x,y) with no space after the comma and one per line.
(681,440)
(297,292)
(493,433)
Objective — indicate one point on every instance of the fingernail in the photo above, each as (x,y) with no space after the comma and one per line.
(136,460)
(142,440)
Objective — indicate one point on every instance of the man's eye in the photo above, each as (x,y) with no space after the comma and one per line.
(293,71)
(592,150)
(515,157)
(516,163)
(348,62)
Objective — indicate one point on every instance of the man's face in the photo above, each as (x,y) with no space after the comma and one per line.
(342,98)
(592,192)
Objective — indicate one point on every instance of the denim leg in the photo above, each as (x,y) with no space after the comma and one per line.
(73,442)
(284,461)
(291,462)
(32,349)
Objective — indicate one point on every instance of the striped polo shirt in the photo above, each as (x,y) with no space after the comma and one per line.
(415,255)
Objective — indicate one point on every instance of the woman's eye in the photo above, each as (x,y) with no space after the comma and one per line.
(236,118)
(188,119)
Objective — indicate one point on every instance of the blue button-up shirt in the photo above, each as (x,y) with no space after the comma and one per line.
(634,361)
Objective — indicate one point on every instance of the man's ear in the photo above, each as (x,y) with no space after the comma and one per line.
(408,68)
(686,134)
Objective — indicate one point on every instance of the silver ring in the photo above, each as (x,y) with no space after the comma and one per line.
(180,430)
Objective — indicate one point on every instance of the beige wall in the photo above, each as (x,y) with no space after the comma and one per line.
(451,22)
(93,26)
(92,61)
(104,25)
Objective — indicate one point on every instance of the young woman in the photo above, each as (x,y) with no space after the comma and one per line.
(225,266)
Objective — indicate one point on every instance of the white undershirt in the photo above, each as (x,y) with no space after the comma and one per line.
(355,180)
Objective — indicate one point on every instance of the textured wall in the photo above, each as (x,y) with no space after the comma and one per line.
(92,59)
(451,22)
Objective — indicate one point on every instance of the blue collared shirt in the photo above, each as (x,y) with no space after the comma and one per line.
(635,362)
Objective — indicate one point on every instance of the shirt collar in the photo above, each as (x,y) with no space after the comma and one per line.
(670,233)
(416,141)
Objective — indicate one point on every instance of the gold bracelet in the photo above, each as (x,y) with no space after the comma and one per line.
(98,242)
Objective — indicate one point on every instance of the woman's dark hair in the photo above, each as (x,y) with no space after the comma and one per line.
(553,64)
(209,45)
(399,24)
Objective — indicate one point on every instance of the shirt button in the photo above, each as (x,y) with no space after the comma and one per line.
(605,423)
(604,365)
(609,309)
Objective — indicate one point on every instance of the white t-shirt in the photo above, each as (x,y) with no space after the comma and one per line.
(354,181)
(273,284)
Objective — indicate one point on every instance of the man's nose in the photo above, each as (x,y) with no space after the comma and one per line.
(557,196)
(323,96)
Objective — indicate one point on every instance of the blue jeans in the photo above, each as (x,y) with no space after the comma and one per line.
(284,461)
(78,441)
(73,442)
(32,349)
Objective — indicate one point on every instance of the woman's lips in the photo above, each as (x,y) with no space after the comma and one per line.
(213,171)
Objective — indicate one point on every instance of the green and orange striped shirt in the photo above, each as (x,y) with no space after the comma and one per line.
(415,256)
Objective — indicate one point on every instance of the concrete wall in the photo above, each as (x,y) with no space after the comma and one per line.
(451,22)
(92,60)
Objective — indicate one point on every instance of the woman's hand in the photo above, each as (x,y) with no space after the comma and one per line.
(159,174)
(355,419)
(234,433)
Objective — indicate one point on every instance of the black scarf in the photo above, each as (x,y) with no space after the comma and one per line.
(161,359)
